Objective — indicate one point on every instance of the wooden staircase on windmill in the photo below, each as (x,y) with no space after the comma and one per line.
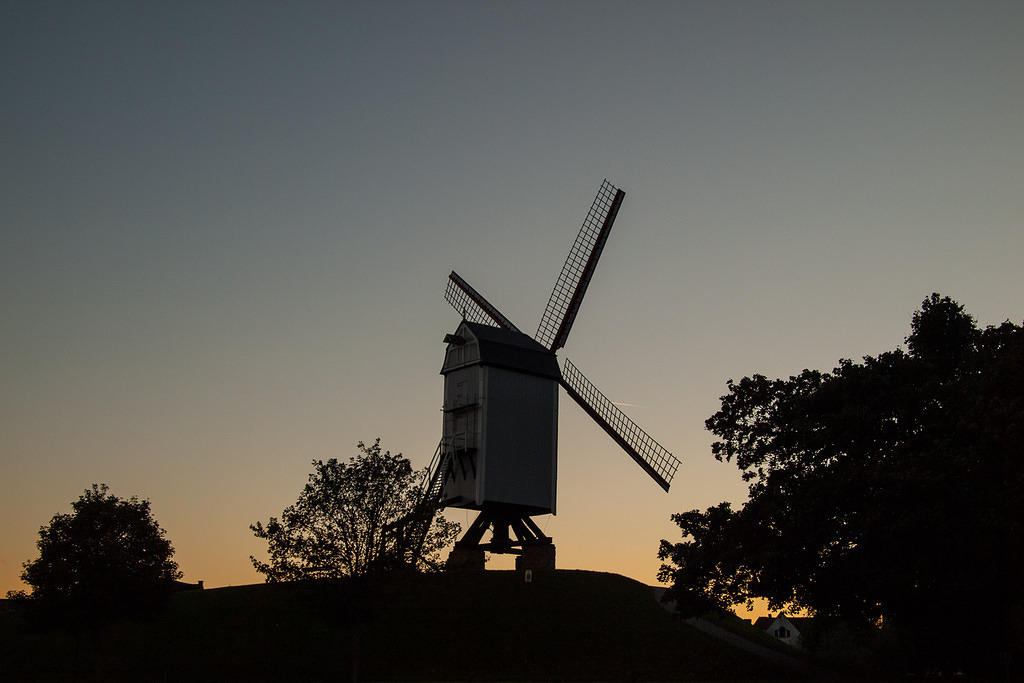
(411,530)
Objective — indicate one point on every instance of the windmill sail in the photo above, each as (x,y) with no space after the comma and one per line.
(472,305)
(564,304)
(638,444)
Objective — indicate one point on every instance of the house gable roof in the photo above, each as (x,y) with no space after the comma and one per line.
(797,623)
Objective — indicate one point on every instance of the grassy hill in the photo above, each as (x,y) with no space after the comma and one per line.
(570,625)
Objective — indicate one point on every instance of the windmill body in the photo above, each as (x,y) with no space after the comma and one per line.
(500,420)
(498,453)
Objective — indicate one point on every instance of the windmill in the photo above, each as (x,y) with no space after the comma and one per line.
(498,452)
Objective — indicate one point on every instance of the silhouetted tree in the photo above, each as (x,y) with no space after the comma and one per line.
(105,558)
(348,521)
(887,490)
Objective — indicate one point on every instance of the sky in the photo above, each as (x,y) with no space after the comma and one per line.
(225,230)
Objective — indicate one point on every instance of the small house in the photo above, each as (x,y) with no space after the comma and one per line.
(783,628)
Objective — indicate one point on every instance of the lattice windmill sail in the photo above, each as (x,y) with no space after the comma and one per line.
(473,306)
(572,282)
(638,444)
(501,412)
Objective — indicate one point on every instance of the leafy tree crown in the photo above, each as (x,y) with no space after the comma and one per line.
(347,518)
(107,554)
(889,489)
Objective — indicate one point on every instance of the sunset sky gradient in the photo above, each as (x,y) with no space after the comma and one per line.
(225,229)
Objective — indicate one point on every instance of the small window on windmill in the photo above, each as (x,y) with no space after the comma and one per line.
(460,394)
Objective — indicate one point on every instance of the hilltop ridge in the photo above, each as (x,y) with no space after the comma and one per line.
(568,625)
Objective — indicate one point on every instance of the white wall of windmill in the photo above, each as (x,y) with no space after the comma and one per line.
(461,430)
(518,461)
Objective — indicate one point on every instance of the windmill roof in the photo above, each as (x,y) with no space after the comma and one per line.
(512,350)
